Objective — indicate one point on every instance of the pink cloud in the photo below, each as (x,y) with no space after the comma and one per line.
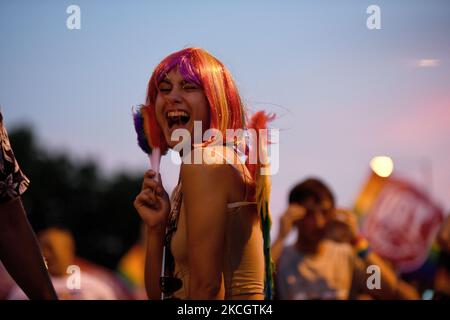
(426,125)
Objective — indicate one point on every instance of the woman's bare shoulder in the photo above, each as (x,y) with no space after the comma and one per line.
(208,175)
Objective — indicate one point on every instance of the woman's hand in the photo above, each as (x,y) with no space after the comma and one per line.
(152,203)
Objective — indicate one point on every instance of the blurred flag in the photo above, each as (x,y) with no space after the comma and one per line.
(399,220)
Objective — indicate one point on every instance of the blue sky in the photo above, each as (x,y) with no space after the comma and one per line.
(343,93)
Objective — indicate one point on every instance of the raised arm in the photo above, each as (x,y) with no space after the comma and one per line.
(292,214)
(205,199)
(153,206)
(391,286)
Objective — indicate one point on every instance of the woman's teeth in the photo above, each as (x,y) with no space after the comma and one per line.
(177,117)
(177,113)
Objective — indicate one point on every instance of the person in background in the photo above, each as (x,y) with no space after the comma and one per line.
(343,228)
(19,250)
(317,267)
(71,281)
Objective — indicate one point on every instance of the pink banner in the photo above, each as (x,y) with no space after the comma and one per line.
(401,224)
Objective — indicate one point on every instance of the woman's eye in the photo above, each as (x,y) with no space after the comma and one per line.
(164,89)
(190,86)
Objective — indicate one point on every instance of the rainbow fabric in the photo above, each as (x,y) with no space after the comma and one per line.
(139,117)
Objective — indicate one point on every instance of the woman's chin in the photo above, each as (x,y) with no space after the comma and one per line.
(176,144)
(173,138)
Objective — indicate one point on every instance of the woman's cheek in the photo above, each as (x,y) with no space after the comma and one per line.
(160,118)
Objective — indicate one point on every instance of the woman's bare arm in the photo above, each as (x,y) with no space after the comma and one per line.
(205,199)
(392,288)
(153,259)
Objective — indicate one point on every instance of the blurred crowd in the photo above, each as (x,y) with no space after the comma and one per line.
(75,278)
(330,258)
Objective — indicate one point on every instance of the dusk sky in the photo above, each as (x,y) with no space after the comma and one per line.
(343,93)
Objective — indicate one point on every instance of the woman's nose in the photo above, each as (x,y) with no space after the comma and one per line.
(174,96)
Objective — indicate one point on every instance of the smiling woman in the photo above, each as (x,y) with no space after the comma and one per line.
(178,104)
(215,228)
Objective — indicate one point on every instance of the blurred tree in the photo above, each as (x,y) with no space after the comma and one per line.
(98,211)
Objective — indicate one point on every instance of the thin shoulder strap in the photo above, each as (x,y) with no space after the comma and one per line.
(240,204)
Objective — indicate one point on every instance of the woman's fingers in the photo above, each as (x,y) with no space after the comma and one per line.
(150,173)
(141,202)
(151,183)
(153,186)
(148,198)
(152,203)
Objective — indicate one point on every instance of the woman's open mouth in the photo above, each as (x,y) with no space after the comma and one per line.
(177,118)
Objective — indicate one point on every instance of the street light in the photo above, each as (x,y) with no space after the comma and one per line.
(382,166)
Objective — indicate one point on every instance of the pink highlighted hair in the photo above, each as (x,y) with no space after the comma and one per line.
(226,108)
(198,66)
